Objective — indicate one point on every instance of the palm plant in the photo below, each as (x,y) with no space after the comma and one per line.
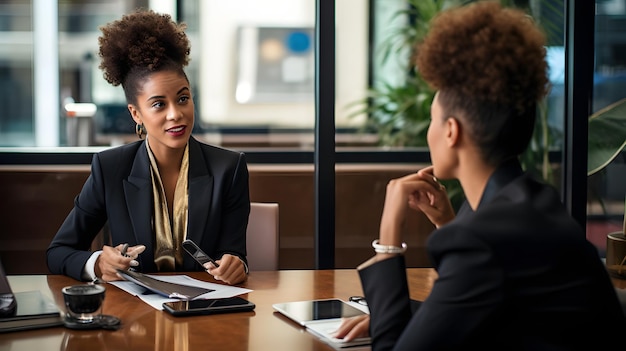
(607,136)
(607,139)
(400,113)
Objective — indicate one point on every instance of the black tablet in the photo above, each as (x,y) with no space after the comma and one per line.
(208,306)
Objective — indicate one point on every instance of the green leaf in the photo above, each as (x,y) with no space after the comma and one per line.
(607,136)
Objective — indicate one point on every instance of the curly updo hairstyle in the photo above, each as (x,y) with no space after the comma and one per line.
(140,44)
(488,65)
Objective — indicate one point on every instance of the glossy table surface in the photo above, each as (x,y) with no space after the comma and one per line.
(145,328)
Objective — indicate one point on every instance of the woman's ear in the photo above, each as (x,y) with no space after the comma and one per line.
(453,131)
(134,113)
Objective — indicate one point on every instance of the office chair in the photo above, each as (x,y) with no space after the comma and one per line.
(262,237)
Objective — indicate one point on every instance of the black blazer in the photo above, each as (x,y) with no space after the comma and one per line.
(516,274)
(119,190)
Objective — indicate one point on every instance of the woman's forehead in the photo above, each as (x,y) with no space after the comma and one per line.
(165,82)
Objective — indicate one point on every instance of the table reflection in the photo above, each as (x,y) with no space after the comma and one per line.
(144,328)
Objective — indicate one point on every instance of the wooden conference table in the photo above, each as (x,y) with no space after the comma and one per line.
(145,328)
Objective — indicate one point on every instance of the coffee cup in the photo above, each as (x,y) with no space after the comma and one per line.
(616,254)
(83,302)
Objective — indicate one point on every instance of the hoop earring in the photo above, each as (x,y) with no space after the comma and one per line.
(140,130)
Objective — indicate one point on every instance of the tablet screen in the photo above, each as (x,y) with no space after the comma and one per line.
(306,311)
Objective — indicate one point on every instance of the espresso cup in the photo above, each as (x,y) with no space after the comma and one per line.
(83,302)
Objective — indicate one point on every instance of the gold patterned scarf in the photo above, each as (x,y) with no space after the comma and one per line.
(169,236)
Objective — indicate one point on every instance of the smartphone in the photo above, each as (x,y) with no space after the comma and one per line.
(210,306)
(196,252)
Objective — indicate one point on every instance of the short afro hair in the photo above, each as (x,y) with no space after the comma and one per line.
(141,43)
(488,64)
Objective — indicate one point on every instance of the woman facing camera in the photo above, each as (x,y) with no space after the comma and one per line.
(515,271)
(165,188)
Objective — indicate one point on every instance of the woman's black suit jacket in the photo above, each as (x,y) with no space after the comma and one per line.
(516,274)
(119,190)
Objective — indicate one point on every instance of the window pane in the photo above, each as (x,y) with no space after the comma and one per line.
(81,80)
(254,87)
(252,71)
(399,113)
(255,72)
(16,74)
(606,188)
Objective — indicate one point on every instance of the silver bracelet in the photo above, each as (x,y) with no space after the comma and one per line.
(388,249)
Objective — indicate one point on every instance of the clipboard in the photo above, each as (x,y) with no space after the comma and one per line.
(167,289)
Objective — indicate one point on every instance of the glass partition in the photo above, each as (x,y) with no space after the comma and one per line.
(16,74)
(606,188)
(252,70)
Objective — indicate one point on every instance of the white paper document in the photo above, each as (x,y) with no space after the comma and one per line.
(155,300)
(325,329)
(323,317)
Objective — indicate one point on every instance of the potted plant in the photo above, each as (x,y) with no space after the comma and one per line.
(607,139)
(400,113)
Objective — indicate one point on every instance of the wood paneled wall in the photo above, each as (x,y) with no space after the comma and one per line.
(36,199)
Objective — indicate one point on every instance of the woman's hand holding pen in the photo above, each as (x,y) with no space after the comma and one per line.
(231,270)
(113,258)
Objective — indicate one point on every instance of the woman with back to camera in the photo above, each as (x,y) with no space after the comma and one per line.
(515,271)
(156,192)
